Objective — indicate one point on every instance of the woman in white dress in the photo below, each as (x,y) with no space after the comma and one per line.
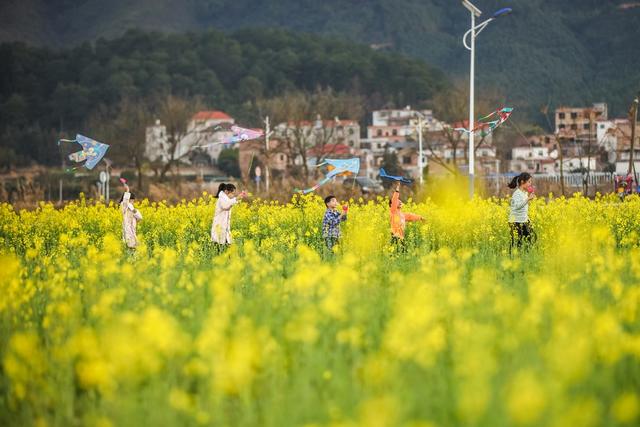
(130,218)
(221,227)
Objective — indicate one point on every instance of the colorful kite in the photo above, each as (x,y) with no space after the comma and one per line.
(336,167)
(239,135)
(499,117)
(92,151)
(242,134)
(402,179)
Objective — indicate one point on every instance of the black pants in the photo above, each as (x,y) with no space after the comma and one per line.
(521,232)
(401,246)
(331,242)
(219,248)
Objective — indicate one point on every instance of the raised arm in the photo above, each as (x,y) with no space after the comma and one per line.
(395,200)
(226,203)
(408,216)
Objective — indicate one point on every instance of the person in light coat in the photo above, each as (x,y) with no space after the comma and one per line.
(130,218)
(221,226)
(519,224)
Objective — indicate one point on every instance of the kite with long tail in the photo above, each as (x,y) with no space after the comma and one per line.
(242,134)
(490,121)
(239,134)
(402,179)
(92,151)
(337,167)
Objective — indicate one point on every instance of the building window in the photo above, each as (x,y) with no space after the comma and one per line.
(540,153)
(561,126)
(574,115)
(406,160)
(586,126)
(282,157)
(574,127)
(351,131)
(379,132)
(561,116)
(395,132)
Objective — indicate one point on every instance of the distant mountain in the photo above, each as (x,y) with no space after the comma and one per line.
(547,51)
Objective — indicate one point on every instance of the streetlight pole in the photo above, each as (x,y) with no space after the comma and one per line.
(473,32)
(472,121)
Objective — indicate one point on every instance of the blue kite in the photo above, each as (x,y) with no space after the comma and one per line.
(402,179)
(92,151)
(336,167)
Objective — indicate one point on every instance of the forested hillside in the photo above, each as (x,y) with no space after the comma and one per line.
(548,51)
(44,92)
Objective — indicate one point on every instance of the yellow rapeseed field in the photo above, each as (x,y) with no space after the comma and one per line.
(278,332)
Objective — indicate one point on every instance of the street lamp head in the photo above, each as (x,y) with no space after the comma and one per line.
(471,8)
(502,12)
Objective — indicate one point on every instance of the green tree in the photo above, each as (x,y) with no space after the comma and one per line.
(228,162)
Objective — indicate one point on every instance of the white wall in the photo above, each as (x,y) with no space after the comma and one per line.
(530,153)
(623,167)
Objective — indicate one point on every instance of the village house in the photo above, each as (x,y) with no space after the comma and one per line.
(252,154)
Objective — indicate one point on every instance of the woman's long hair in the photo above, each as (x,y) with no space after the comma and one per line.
(221,187)
(225,187)
(519,179)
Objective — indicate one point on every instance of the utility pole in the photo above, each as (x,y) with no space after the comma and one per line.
(586,183)
(420,152)
(561,157)
(633,116)
(267,130)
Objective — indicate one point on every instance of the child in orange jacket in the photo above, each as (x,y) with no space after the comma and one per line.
(399,218)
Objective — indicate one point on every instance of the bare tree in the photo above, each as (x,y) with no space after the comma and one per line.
(452,106)
(303,125)
(175,113)
(124,127)
(545,110)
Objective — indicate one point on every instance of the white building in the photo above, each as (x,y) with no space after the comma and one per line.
(322,132)
(529,153)
(622,163)
(400,117)
(531,159)
(576,163)
(204,129)
(156,146)
(399,125)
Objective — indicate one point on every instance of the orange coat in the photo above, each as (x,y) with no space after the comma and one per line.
(399,218)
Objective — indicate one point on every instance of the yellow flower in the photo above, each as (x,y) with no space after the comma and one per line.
(526,398)
(626,408)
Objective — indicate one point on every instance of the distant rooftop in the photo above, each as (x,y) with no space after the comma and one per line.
(212,115)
